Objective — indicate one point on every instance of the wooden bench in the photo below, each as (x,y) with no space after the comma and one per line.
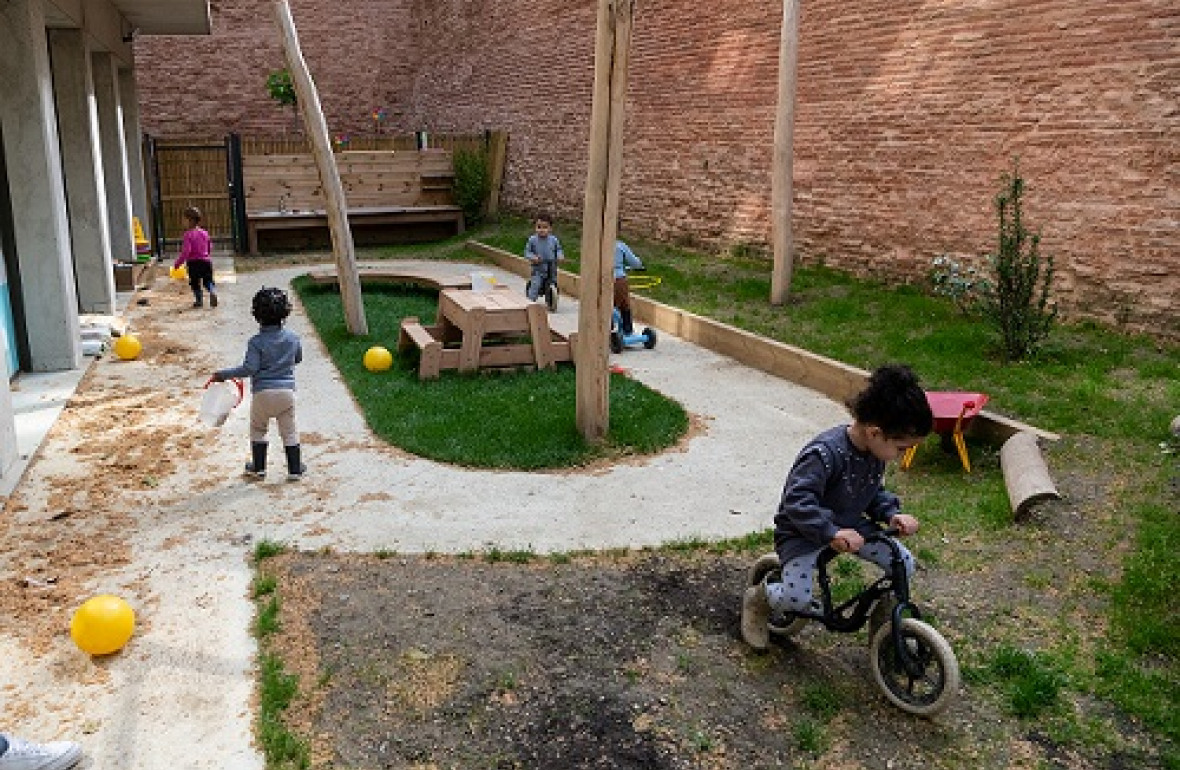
(392,274)
(429,343)
(403,188)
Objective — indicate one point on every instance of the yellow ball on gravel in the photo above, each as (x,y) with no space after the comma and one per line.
(128,347)
(102,625)
(378,359)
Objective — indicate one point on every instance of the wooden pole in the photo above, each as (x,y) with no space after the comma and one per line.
(784,131)
(600,216)
(497,155)
(325,161)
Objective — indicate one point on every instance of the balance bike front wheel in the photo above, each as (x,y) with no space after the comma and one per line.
(649,337)
(927,680)
(551,297)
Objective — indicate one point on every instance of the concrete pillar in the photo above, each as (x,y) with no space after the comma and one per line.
(77,121)
(133,140)
(41,233)
(114,155)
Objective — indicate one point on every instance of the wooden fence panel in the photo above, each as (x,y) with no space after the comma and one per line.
(193,174)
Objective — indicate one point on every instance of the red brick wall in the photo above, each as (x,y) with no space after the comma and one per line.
(207,86)
(907,115)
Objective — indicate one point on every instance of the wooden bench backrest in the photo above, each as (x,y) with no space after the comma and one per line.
(369,178)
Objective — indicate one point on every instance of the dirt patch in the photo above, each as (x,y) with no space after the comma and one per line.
(625,662)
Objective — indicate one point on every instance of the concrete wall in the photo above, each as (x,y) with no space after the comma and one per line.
(908,114)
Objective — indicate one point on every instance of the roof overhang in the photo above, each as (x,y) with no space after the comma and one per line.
(111,25)
(143,17)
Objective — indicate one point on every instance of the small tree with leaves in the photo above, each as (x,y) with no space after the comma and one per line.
(1016,301)
(282,90)
(472,182)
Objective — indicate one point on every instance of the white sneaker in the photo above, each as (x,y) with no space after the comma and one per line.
(22,755)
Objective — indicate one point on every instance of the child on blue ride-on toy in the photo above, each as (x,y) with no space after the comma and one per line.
(622,333)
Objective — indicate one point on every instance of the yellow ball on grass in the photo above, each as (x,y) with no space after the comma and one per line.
(102,625)
(128,347)
(378,359)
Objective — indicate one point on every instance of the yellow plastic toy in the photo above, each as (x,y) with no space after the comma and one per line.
(378,359)
(178,273)
(128,347)
(102,625)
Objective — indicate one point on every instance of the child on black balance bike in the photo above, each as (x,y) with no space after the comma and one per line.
(834,502)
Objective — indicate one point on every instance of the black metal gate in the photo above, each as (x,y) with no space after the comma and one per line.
(202,173)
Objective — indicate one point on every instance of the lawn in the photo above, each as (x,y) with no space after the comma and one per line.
(1063,622)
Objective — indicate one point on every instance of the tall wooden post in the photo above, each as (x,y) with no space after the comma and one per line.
(784,131)
(325,161)
(600,215)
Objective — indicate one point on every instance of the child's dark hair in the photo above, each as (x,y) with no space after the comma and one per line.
(894,402)
(271,306)
(543,217)
(193,214)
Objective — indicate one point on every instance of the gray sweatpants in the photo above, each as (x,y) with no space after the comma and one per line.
(543,272)
(793,594)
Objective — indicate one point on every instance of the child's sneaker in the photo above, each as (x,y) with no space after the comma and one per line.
(251,473)
(297,475)
(22,755)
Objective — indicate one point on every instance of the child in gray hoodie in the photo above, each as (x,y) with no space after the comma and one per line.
(271,356)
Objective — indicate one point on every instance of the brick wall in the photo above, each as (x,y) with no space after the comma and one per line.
(907,115)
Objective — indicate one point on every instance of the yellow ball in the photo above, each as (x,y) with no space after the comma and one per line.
(378,359)
(102,625)
(128,347)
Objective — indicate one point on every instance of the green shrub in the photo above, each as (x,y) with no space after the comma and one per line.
(1017,299)
(280,87)
(472,182)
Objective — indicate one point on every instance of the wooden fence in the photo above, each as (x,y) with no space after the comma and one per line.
(206,172)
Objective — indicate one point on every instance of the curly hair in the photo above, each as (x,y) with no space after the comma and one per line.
(894,402)
(271,306)
(193,214)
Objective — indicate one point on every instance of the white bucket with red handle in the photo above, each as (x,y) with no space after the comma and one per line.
(219,400)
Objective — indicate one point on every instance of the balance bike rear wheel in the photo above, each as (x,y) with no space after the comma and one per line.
(649,337)
(930,689)
(616,342)
(551,297)
(766,564)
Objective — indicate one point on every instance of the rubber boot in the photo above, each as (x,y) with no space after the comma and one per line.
(755,614)
(295,466)
(628,326)
(198,300)
(257,466)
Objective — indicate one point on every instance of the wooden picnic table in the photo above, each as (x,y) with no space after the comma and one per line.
(490,329)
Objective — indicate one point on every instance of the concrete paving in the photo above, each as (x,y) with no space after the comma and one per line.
(181,694)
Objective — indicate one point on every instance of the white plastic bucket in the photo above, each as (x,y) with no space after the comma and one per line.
(482,281)
(219,400)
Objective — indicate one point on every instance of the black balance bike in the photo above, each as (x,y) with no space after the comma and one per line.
(912,663)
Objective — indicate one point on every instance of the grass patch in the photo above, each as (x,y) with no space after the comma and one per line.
(493,419)
(1033,684)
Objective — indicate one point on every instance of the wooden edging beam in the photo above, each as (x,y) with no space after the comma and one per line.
(834,379)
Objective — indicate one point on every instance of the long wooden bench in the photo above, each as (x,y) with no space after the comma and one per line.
(403,188)
(392,274)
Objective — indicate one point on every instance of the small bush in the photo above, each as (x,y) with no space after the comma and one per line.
(280,87)
(1017,301)
(962,284)
(472,182)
